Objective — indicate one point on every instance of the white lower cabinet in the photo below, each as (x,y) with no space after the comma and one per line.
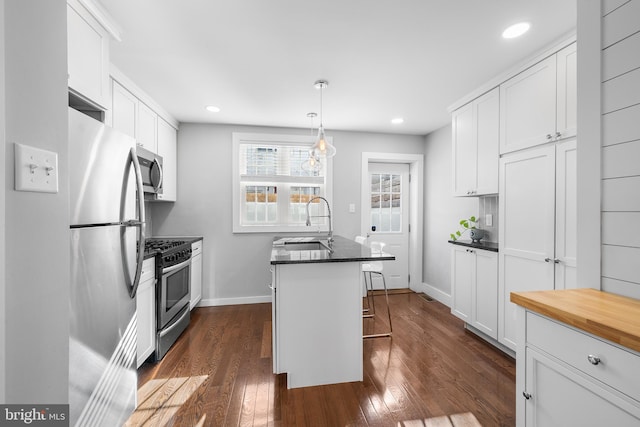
(146,311)
(566,377)
(196,273)
(474,288)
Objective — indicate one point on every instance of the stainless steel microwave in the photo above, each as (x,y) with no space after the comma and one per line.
(151,170)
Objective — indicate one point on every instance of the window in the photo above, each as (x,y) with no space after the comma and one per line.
(386,210)
(271,189)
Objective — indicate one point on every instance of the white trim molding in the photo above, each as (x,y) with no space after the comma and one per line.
(268,138)
(215,302)
(416,195)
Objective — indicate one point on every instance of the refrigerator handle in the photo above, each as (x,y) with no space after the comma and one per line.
(156,164)
(136,166)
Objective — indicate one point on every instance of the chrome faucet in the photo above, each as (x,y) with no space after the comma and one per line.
(330,238)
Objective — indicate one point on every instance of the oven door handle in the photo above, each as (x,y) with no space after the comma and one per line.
(176,267)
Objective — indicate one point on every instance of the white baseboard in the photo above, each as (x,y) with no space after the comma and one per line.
(212,302)
(434,293)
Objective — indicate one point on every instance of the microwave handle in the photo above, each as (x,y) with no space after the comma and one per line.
(158,185)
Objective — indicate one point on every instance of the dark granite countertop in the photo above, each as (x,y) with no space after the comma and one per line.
(487,246)
(343,250)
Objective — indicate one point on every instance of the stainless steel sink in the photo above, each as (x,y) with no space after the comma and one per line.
(306,246)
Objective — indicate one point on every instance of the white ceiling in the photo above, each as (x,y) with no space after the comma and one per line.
(258,59)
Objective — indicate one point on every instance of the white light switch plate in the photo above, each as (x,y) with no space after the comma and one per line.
(352,207)
(488,220)
(35,169)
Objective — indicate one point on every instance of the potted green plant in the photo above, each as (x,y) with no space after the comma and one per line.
(468,225)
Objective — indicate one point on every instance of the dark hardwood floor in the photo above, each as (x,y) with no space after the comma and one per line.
(431,373)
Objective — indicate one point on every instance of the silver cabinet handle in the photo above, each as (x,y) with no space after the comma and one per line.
(594,360)
(556,261)
(547,259)
(549,136)
(558,134)
(526,395)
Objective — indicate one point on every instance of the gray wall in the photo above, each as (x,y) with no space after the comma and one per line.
(36,225)
(442,213)
(235,266)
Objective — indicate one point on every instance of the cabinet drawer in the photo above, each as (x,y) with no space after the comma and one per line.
(617,367)
(148,269)
(196,248)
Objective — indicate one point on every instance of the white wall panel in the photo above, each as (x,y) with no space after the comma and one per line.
(610,5)
(619,228)
(621,160)
(620,23)
(621,287)
(621,126)
(621,194)
(621,262)
(616,59)
(621,92)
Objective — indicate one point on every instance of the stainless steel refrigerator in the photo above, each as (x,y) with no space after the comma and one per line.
(107,249)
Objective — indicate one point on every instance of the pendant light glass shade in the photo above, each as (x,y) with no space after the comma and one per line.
(312,164)
(322,147)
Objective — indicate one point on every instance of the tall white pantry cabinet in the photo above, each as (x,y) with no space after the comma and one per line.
(521,135)
(537,202)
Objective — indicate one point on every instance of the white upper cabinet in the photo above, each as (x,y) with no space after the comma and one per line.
(168,149)
(567,96)
(539,104)
(134,118)
(528,107)
(147,130)
(475,146)
(125,110)
(88,56)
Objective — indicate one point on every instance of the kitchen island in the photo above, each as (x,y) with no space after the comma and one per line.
(317,309)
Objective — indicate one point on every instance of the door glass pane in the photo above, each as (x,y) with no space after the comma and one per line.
(386,205)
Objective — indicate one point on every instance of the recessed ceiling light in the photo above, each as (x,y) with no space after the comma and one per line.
(213,109)
(397,120)
(516,30)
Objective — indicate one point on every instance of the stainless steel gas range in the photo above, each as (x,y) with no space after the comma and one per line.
(173,273)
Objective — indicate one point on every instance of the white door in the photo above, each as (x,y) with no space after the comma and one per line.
(526,230)
(388,218)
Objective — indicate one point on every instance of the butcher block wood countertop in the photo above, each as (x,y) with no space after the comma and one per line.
(606,315)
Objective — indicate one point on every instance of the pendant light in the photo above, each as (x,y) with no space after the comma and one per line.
(322,147)
(312,164)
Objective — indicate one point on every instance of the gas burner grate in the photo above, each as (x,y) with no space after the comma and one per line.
(162,244)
